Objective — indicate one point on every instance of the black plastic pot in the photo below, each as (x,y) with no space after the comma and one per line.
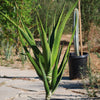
(78,66)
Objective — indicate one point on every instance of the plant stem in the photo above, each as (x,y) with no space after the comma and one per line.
(48,96)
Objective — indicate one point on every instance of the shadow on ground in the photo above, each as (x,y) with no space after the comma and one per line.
(71,84)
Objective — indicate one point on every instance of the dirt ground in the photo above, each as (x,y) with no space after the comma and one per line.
(15,61)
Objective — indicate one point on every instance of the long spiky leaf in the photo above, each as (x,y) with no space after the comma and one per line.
(55,29)
(55,71)
(58,36)
(66,55)
(65,59)
(45,44)
(30,57)
(46,85)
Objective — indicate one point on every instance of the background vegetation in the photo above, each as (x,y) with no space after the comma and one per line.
(48,9)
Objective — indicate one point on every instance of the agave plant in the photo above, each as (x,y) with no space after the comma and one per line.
(46,62)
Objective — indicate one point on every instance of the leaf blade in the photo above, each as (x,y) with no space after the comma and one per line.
(58,36)
(30,57)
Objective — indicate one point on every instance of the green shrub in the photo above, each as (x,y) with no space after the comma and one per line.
(90,11)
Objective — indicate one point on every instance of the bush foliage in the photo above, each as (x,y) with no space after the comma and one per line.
(47,10)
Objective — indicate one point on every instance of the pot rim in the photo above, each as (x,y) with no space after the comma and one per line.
(73,55)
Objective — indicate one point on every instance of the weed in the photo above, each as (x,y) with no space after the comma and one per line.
(98,55)
(93,85)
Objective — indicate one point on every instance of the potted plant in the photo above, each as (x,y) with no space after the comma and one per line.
(77,60)
(46,62)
